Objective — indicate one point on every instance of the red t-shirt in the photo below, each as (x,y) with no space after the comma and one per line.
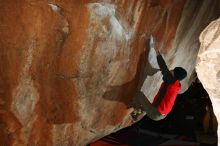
(167,102)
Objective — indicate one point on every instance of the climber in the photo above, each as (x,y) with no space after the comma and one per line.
(166,96)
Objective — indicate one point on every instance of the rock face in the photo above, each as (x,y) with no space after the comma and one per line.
(208,64)
(70,69)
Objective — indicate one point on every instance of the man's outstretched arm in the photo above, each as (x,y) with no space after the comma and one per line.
(167,76)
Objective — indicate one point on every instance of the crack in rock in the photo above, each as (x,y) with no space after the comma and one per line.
(65,77)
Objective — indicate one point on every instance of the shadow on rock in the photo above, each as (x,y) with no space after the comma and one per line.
(127,92)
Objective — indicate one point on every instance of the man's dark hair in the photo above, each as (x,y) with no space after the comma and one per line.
(180,73)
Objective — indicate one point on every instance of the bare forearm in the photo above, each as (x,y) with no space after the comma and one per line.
(161,63)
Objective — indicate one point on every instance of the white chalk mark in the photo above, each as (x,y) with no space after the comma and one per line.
(25,94)
(102,11)
(55,7)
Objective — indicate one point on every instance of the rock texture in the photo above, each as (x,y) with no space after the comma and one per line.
(208,64)
(69,69)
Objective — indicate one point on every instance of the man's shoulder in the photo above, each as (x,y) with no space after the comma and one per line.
(176,85)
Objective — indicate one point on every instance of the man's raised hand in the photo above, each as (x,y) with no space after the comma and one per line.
(154,45)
